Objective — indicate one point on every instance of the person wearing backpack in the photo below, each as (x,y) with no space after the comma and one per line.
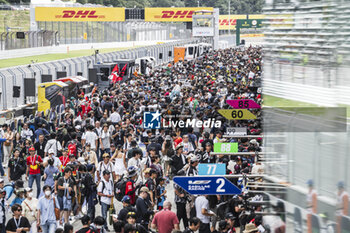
(90,191)
(126,209)
(74,146)
(105,191)
(54,144)
(130,188)
(86,228)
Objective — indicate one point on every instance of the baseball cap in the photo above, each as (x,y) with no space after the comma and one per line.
(144,189)
(106,172)
(341,184)
(51,151)
(126,199)
(222,224)
(230,216)
(81,160)
(147,170)
(310,182)
(31,149)
(1,180)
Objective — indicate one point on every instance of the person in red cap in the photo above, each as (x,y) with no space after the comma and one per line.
(33,169)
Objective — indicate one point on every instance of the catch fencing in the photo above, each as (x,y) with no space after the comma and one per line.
(15,76)
(97,32)
(56,33)
(32,39)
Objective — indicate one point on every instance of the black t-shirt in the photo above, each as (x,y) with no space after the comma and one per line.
(61,181)
(22,223)
(188,230)
(86,229)
(17,168)
(150,184)
(39,147)
(124,212)
(139,228)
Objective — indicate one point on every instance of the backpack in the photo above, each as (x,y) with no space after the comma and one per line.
(120,188)
(72,149)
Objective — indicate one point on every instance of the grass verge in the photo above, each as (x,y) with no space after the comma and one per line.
(56,56)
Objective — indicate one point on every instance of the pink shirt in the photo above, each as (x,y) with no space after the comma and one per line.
(165,221)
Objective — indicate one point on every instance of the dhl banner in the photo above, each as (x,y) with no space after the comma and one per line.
(79,14)
(228,22)
(172,14)
(277,20)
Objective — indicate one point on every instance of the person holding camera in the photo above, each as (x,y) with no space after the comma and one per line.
(66,190)
(56,161)
(16,167)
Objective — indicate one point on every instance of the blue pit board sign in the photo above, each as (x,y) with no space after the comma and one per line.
(207,169)
(207,185)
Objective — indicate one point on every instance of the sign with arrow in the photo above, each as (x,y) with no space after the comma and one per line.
(243,103)
(207,185)
(237,114)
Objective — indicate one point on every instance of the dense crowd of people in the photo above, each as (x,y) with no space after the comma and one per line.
(97,153)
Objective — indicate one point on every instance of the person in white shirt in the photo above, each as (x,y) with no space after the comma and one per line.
(56,162)
(136,162)
(187,145)
(98,128)
(90,137)
(203,213)
(53,144)
(115,117)
(105,191)
(105,165)
(26,132)
(105,140)
(29,207)
(218,137)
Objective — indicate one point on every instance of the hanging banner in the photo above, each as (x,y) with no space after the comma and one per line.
(172,14)
(228,22)
(66,14)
